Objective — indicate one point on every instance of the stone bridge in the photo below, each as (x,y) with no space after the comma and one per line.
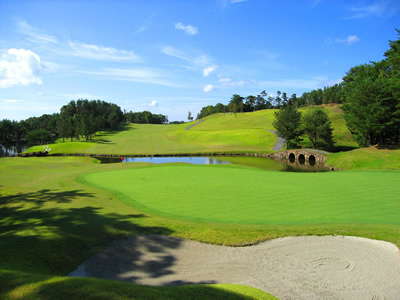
(301,159)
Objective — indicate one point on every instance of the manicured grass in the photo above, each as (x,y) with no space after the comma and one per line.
(46,216)
(231,194)
(148,139)
(217,133)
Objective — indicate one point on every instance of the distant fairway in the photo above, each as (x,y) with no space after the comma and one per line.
(232,194)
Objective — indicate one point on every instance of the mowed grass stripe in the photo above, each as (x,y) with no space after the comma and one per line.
(233,194)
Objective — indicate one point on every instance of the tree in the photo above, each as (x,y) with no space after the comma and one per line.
(317,127)
(371,110)
(190,118)
(288,124)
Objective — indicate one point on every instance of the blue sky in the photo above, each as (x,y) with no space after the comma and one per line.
(171,57)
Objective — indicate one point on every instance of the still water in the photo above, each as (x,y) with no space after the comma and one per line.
(256,162)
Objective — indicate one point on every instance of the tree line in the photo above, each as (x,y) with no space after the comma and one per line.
(76,120)
(371,105)
(239,104)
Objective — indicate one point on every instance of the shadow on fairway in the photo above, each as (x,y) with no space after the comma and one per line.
(43,234)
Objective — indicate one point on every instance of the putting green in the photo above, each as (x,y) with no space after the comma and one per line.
(233,194)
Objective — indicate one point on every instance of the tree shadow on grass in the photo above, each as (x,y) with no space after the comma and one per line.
(42,233)
(89,288)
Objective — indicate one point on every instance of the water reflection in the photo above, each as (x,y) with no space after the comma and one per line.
(256,162)
(8,151)
(197,160)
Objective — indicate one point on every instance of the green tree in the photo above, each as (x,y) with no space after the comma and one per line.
(371,111)
(288,124)
(317,127)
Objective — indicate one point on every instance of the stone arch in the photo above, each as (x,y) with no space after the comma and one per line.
(311,160)
(292,158)
(302,159)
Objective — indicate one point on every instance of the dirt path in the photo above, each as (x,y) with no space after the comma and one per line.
(328,267)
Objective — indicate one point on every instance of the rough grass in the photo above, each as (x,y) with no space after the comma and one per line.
(370,158)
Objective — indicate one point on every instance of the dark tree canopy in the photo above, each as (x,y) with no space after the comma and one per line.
(288,124)
(318,129)
(372,100)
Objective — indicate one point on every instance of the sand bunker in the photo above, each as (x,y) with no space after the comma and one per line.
(327,267)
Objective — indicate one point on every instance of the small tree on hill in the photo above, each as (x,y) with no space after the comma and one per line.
(317,127)
(288,124)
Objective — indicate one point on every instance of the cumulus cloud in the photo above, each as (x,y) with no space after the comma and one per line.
(351,39)
(188,29)
(102,53)
(208,88)
(153,103)
(19,67)
(208,70)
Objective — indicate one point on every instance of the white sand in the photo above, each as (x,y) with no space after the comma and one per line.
(328,267)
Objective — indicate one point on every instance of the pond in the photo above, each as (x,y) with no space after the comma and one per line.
(11,150)
(257,162)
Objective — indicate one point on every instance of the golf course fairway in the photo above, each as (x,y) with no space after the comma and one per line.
(234,194)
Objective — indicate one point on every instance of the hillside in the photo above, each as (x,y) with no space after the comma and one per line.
(217,133)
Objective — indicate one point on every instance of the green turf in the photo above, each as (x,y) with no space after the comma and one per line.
(147,139)
(46,214)
(245,132)
(247,196)
(370,158)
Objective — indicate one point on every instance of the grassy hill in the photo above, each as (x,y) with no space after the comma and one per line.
(227,133)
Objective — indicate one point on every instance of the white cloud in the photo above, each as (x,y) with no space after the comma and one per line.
(196,61)
(12,101)
(188,29)
(226,2)
(141,29)
(378,8)
(207,71)
(19,67)
(135,75)
(230,82)
(153,103)
(208,88)
(102,53)
(309,84)
(34,35)
(351,39)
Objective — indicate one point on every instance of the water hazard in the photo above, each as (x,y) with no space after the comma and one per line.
(256,162)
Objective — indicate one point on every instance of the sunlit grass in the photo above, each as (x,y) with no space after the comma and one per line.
(231,194)
(226,133)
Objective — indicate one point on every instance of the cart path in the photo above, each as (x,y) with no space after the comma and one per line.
(187,128)
(325,267)
(279,144)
